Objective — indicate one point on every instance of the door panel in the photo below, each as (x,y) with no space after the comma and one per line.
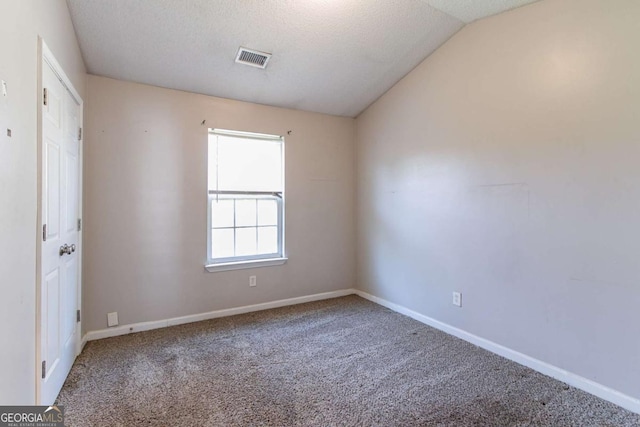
(60,213)
(69,303)
(53,109)
(51,206)
(71,176)
(51,306)
(72,149)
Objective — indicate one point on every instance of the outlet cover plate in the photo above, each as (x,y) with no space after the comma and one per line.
(457,299)
(112,319)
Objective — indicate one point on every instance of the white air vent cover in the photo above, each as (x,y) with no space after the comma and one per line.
(253,58)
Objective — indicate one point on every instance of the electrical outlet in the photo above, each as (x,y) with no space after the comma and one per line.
(253,281)
(457,299)
(112,319)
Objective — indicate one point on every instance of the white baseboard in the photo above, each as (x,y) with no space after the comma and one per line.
(592,387)
(156,324)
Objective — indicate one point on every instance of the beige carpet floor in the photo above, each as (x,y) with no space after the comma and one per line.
(340,362)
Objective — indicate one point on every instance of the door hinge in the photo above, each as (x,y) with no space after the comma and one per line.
(80,134)
(44,233)
(45,96)
(79,224)
(78,316)
(44,369)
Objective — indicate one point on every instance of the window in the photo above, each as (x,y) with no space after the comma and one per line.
(246,200)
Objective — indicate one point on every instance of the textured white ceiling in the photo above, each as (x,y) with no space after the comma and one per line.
(329,56)
(470,10)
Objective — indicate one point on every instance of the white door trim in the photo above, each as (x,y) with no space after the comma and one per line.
(46,56)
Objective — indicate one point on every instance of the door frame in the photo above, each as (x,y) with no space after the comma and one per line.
(45,56)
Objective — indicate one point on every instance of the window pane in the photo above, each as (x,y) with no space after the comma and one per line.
(267,212)
(267,240)
(221,213)
(245,213)
(221,243)
(245,241)
(241,164)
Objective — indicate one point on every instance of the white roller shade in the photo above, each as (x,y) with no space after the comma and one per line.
(240,163)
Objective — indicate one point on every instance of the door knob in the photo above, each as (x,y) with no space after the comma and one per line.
(66,249)
(73,248)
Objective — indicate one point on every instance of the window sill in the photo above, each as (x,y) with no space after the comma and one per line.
(256,263)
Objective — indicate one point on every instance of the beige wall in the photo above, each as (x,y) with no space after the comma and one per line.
(506,166)
(22,22)
(145,204)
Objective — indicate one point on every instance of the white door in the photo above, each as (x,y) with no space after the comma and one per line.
(60,242)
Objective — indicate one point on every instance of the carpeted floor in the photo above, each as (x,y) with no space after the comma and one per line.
(340,362)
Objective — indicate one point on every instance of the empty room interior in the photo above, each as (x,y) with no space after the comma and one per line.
(320,212)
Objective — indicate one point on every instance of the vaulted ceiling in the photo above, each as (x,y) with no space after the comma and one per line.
(329,56)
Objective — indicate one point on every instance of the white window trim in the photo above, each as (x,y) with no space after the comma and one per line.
(239,265)
(271,259)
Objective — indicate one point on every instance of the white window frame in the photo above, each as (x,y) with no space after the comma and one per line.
(249,261)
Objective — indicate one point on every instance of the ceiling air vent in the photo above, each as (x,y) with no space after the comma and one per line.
(252,58)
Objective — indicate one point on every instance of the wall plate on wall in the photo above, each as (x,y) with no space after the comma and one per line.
(112,319)
(457,299)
